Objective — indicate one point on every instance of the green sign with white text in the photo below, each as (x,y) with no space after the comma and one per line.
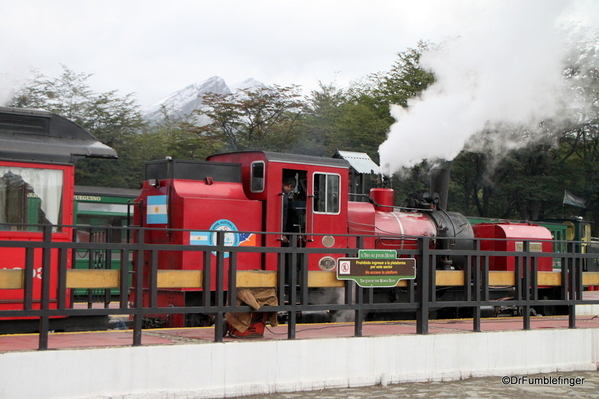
(376,268)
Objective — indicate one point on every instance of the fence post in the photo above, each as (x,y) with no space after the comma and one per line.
(573,282)
(526,270)
(139,290)
(423,279)
(359,298)
(61,294)
(220,295)
(473,264)
(108,266)
(44,323)
(292,278)
(124,279)
(28,278)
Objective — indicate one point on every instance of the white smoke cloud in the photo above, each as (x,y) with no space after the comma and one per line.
(505,70)
(10,83)
(6,89)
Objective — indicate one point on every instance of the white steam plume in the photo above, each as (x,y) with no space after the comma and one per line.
(6,89)
(10,83)
(504,71)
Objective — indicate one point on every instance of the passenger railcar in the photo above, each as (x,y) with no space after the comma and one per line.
(101,215)
(37,163)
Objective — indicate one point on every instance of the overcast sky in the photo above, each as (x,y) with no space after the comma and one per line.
(501,60)
(153,48)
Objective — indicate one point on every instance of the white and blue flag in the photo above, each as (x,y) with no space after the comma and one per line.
(156,209)
(199,238)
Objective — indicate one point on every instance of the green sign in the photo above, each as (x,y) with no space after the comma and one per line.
(376,268)
(377,254)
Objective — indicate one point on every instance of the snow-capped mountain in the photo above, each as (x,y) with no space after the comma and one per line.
(247,84)
(188,99)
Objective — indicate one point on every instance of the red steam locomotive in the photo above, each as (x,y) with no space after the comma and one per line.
(245,192)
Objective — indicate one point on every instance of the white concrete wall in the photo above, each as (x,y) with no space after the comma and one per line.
(257,367)
(587,310)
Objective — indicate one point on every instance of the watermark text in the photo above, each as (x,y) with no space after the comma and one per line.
(543,380)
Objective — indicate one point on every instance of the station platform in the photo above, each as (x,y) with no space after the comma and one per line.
(186,362)
(199,335)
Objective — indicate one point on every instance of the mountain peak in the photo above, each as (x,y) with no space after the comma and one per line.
(215,84)
(247,84)
(190,98)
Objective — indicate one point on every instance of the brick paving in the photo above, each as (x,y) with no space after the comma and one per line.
(555,385)
(203,335)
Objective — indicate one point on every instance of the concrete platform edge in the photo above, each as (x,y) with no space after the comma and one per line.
(218,370)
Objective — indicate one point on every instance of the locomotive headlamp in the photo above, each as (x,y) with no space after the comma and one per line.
(328,241)
(327,264)
(154,183)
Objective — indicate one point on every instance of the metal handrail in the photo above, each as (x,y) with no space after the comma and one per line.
(421,294)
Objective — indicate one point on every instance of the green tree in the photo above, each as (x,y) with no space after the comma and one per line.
(358,118)
(321,126)
(470,189)
(256,118)
(113,120)
(580,141)
(173,131)
(68,95)
(406,78)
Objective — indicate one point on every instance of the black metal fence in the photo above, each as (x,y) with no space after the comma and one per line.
(473,289)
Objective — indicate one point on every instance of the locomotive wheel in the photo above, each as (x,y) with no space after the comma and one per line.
(225,327)
(199,320)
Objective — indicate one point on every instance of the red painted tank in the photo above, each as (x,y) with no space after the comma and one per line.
(383,199)
(206,197)
(511,237)
(197,207)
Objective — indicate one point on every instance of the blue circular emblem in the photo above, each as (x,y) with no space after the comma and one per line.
(231,239)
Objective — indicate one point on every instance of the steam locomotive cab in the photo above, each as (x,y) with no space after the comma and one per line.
(183,202)
(312,215)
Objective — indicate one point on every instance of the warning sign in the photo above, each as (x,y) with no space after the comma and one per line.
(376,268)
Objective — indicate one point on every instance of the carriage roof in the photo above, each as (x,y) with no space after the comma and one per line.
(42,136)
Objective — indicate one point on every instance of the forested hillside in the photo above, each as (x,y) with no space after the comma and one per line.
(524,183)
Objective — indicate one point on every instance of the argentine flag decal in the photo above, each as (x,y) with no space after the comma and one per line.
(156,209)
(199,238)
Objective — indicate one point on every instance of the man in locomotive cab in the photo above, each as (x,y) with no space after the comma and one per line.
(289,184)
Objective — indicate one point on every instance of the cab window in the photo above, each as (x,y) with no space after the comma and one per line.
(257,177)
(326,193)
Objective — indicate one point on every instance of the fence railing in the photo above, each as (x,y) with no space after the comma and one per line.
(40,287)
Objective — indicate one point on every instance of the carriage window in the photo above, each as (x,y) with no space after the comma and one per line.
(257,177)
(101,228)
(326,193)
(30,196)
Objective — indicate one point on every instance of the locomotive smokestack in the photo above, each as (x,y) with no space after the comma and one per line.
(439,183)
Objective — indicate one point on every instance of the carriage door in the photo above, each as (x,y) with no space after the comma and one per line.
(293,218)
(324,209)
